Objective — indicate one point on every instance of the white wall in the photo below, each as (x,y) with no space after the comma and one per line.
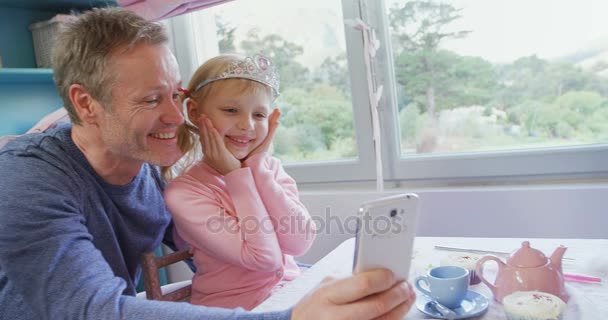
(534,212)
(575,211)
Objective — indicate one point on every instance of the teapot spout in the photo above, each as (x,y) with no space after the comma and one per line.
(556,258)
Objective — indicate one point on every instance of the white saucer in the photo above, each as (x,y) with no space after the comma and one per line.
(474,304)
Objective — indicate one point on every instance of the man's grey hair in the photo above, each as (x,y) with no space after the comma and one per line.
(84,48)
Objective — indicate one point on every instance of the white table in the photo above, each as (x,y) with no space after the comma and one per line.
(587,300)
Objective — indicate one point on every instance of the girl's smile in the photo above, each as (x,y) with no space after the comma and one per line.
(240,141)
(238,110)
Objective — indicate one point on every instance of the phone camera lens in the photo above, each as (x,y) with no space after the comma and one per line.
(393,213)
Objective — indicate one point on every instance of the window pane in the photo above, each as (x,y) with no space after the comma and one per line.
(306,41)
(486,75)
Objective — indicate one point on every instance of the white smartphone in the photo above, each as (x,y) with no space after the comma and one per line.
(386,229)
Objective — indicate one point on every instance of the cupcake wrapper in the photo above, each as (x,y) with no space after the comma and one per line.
(511,316)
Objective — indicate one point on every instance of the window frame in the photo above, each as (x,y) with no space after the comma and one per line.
(193,50)
(491,167)
(363,168)
(524,165)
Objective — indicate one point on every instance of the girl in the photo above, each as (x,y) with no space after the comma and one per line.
(237,208)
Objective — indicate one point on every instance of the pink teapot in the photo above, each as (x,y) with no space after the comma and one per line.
(527,269)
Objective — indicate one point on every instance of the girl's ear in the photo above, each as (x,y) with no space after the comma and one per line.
(193,111)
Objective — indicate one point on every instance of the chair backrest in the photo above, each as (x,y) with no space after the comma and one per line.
(150,266)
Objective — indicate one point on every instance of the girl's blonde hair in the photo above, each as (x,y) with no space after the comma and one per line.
(187,134)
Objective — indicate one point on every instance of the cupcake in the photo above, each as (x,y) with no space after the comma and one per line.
(533,305)
(464,260)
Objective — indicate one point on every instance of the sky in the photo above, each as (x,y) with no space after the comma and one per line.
(316,25)
(504,30)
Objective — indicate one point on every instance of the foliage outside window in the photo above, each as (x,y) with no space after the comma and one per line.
(455,102)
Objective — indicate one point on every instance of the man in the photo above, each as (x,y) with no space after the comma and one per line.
(80,203)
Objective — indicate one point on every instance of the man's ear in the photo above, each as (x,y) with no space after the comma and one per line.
(193,111)
(86,106)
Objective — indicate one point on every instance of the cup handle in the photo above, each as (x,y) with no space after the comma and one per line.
(479,270)
(417,285)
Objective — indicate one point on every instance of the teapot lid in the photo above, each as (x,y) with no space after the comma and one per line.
(526,257)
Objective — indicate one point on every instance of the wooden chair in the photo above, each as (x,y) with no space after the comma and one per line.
(150,266)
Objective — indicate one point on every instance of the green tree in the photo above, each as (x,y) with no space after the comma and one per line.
(315,124)
(408,123)
(535,78)
(463,81)
(334,70)
(433,78)
(283,53)
(524,80)
(583,102)
(418,28)
(598,124)
(225,34)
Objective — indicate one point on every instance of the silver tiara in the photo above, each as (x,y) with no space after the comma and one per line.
(257,68)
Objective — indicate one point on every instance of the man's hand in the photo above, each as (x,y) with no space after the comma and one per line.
(367,295)
(215,153)
(273,124)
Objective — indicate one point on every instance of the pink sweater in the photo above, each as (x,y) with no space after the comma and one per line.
(243,228)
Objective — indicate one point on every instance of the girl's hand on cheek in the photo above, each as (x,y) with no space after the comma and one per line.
(273,124)
(215,153)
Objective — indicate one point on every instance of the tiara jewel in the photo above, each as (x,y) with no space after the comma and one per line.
(257,68)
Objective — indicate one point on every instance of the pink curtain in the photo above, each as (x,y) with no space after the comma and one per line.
(160,9)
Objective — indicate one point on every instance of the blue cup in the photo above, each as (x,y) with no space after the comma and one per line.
(447,285)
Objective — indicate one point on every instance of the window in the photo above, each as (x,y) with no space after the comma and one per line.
(494,88)
(472,90)
(306,42)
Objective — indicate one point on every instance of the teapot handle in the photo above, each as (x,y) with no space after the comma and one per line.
(479,270)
